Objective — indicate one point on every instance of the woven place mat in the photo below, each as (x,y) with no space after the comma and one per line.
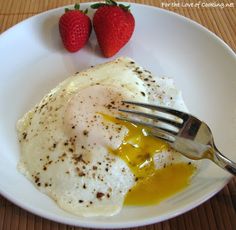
(217,213)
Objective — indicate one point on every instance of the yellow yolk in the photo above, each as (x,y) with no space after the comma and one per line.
(160,185)
(152,185)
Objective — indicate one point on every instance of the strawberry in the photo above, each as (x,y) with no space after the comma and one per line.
(114,25)
(75,28)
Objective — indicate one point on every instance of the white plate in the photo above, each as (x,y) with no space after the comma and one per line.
(33,61)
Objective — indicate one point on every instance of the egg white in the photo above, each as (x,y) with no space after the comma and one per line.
(65,140)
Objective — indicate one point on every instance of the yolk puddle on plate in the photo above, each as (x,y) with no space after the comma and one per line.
(160,185)
(152,185)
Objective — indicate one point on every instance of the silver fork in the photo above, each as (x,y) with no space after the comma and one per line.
(184,132)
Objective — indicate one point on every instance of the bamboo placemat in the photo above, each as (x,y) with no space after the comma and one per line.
(217,213)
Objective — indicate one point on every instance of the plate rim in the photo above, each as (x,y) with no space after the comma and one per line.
(114,225)
(127,224)
(189,20)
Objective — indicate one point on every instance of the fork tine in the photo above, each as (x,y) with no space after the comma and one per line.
(155,128)
(174,112)
(163,137)
(154,117)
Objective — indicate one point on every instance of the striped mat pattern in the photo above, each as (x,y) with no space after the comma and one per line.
(217,213)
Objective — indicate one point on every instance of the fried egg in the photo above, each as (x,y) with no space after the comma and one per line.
(75,150)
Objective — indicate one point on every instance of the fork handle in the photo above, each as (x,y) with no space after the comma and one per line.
(223,161)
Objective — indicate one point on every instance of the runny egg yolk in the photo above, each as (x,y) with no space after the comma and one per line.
(152,185)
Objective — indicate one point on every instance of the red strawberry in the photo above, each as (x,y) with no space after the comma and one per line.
(75,28)
(113,25)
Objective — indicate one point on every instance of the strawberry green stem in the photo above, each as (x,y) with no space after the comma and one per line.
(110,3)
(77,7)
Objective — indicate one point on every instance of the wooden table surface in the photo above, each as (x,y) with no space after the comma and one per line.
(217,213)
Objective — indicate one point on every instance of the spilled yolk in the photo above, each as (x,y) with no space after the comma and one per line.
(152,185)
(160,185)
